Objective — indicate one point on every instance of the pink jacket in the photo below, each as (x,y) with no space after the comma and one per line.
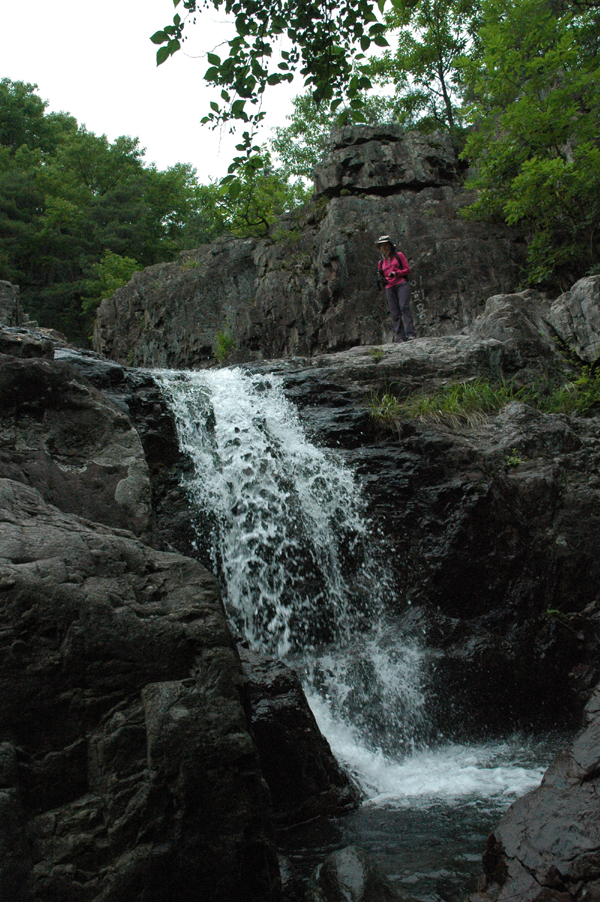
(395,269)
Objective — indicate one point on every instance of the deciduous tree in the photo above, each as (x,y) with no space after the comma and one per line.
(535,118)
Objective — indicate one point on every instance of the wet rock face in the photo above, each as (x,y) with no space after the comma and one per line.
(304,778)
(63,437)
(310,287)
(126,766)
(545,847)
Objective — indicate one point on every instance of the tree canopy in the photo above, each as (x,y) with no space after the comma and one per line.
(326,42)
(535,130)
(423,70)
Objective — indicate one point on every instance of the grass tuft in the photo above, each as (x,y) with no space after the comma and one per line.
(473,402)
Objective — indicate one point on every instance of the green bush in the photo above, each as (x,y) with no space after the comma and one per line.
(224,344)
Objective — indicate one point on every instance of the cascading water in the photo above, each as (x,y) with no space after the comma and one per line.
(303,578)
(290,542)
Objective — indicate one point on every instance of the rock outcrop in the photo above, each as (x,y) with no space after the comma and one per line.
(127,769)
(63,437)
(545,848)
(11,313)
(384,159)
(310,287)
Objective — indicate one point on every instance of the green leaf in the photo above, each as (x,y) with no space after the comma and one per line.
(213,59)
(162,54)
(214,106)
(211,74)
(365,43)
(159,37)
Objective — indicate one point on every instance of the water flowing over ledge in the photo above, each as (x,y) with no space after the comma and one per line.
(283,525)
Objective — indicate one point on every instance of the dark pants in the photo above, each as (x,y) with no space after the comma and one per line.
(398,297)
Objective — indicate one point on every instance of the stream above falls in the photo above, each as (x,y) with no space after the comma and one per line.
(283,525)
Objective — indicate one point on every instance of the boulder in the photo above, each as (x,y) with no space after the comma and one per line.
(545,848)
(520,321)
(22,342)
(303,776)
(351,875)
(575,316)
(126,767)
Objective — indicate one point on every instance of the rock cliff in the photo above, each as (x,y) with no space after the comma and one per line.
(310,286)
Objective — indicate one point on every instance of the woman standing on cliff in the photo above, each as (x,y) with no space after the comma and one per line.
(393,271)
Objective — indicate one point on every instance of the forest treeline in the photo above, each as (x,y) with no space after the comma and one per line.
(515,82)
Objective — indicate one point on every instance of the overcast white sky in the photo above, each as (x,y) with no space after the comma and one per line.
(95,61)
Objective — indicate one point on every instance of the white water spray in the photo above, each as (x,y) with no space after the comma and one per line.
(295,553)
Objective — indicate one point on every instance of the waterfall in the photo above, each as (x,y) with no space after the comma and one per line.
(284,527)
